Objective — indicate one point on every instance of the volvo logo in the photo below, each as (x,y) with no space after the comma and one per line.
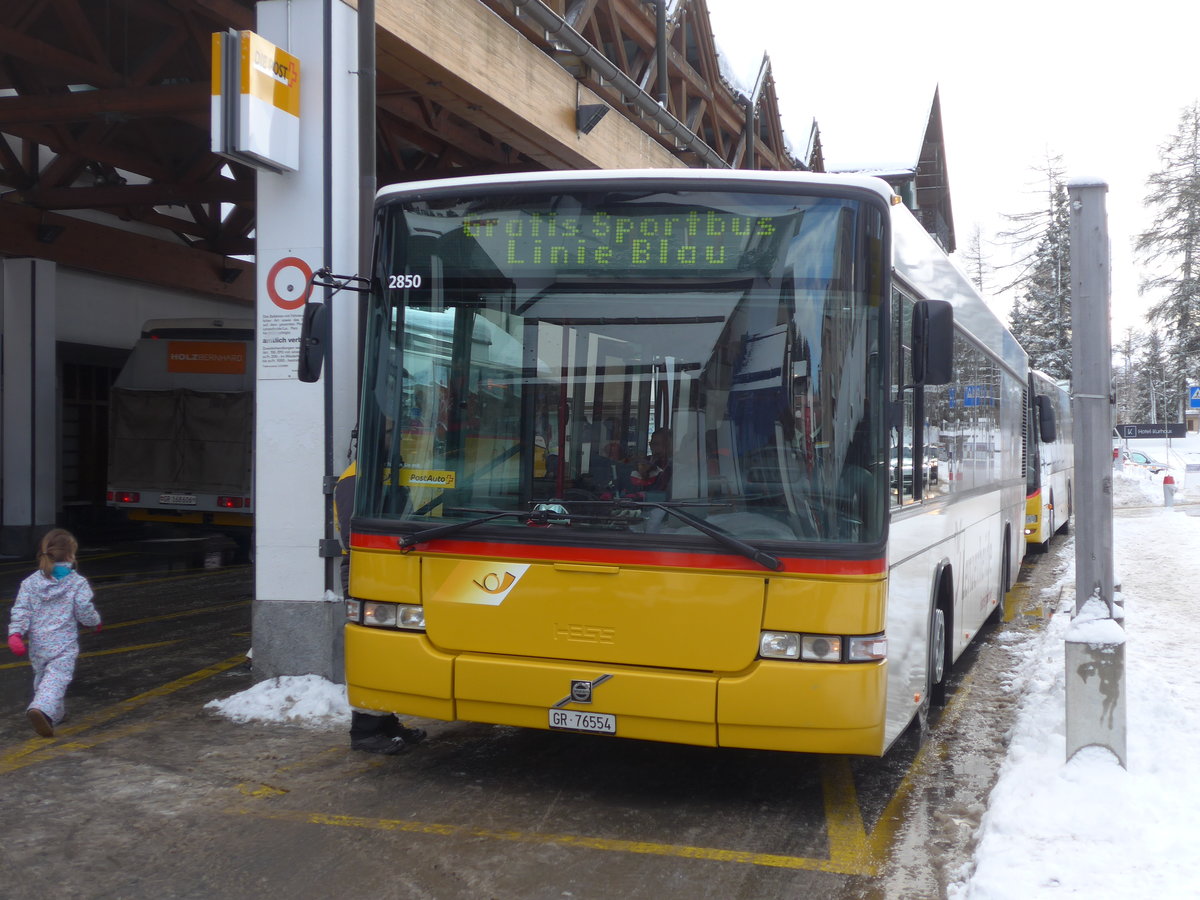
(581,691)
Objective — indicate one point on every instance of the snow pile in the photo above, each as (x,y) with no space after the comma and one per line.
(307,700)
(1087,827)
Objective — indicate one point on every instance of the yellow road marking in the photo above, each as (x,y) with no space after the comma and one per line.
(198,573)
(177,615)
(891,819)
(744,857)
(848,843)
(39,749)
(190,573)
(132,649)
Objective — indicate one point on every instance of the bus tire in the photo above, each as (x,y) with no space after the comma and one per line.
(939,653)
(1005,585)
(1065,526)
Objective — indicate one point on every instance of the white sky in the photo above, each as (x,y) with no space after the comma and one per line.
(1101,85)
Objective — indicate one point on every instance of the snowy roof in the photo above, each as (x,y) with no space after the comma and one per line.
(883,135)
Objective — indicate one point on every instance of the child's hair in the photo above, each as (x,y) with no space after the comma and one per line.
(59,545)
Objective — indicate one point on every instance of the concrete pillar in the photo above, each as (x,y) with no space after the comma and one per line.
(29,397)
(306,219)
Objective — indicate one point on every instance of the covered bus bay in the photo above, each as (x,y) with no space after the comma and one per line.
(114,210)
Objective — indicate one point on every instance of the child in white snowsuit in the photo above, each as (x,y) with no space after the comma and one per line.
(49,604)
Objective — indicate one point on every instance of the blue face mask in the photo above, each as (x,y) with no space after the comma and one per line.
(62,570)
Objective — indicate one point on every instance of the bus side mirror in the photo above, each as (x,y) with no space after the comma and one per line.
(933,342)
(314,336)
(1047,421)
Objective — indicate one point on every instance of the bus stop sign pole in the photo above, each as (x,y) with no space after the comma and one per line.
(1095,640)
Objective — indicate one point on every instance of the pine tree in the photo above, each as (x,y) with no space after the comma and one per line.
(1041,316)
(1131,402)
(1153,375)
(979,269)
(1172,247)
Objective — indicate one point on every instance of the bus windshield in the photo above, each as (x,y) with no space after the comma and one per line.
(605,357)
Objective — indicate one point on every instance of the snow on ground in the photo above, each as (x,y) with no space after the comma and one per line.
(307,700)
(1088,827)
(1053,828)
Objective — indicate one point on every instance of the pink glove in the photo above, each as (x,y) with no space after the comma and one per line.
(16,645)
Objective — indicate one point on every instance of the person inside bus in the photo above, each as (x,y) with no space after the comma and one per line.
(653,474)
(610,472)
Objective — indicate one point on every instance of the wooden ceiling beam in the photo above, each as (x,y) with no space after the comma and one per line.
(79,106)
(121,254)
(43,56)
(222,190)
(233,14)
(67,145)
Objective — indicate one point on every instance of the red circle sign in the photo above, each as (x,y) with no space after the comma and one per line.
(289,282)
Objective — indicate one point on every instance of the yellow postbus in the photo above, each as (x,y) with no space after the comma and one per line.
(719,458)
(1051,461)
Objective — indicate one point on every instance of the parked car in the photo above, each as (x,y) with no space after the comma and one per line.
(1146,461)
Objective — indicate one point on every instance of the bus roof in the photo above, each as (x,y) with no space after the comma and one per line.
(750,176)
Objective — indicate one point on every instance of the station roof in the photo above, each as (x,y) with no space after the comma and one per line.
(105,159)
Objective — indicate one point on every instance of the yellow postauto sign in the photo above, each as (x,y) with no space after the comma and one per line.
(270,74)
(255,101)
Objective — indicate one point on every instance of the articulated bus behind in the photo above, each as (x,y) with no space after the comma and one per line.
(1051,461)
(676,456)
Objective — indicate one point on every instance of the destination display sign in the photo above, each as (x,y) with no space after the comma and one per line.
(598,241)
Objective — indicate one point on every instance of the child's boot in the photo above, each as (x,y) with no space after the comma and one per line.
(41,722)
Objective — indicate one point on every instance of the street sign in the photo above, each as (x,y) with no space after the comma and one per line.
(1194,397)
(1132,432)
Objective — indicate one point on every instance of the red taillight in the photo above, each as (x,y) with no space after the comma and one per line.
(127,497)
(231,502)
(108,496)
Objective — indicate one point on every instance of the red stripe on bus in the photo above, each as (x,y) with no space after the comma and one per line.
(615,557)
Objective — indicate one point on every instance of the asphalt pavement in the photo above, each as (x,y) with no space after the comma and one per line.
(143,793)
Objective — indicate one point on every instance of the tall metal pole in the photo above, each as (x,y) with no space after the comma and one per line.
(1091,389)
(1095,641)
(661,37)
(367,180)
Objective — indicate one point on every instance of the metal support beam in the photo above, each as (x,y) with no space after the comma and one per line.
(1095,642)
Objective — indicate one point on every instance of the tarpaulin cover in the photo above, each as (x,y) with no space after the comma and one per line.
(181,440)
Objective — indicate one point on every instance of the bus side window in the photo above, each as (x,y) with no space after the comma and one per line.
(901,460)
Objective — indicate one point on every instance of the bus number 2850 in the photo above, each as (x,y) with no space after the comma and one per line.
(403,282)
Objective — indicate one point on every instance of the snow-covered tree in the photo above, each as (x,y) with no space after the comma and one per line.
(1041,315)
(1171,248)
(1154,377)
(1132,404)
(976,263)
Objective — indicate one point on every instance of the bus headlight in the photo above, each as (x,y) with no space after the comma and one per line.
(821,648)
(779,645)
(353,610)
(381,615)
(378,614)
(832,648)
(410,617)
(867,648)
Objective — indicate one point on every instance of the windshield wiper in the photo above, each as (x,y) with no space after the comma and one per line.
(533,517)
(741,547)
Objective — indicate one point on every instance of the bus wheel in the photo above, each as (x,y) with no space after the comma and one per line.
(937,658)
(996,616)
(1052,528)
